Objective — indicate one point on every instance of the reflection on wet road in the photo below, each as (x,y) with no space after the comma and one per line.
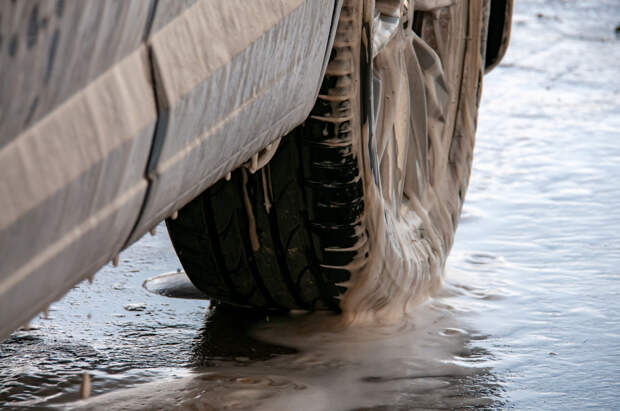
(529,317)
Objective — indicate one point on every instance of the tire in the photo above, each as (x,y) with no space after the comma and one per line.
(291,235)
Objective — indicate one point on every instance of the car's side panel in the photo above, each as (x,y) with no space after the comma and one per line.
(231,77)
(164,11)
(71,187)
(72,169)
(52,49)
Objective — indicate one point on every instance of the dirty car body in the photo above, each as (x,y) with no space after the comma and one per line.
(113,115)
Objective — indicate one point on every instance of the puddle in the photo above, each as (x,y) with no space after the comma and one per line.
(310,362)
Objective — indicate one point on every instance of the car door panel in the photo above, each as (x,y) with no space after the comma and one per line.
(71,188)
(227,92)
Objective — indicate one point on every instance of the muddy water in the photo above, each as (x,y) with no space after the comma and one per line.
(529,317)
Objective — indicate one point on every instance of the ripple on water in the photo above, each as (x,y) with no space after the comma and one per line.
(485,259)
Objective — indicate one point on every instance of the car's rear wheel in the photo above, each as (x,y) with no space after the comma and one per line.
(385,154)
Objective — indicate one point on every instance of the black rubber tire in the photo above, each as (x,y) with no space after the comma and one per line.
(212,236)
(307,204)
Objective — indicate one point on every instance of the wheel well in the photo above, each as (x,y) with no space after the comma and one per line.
(500,19)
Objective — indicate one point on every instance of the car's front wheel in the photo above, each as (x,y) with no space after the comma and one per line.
(359,205)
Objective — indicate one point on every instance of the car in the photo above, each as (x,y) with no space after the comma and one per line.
(307,154)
